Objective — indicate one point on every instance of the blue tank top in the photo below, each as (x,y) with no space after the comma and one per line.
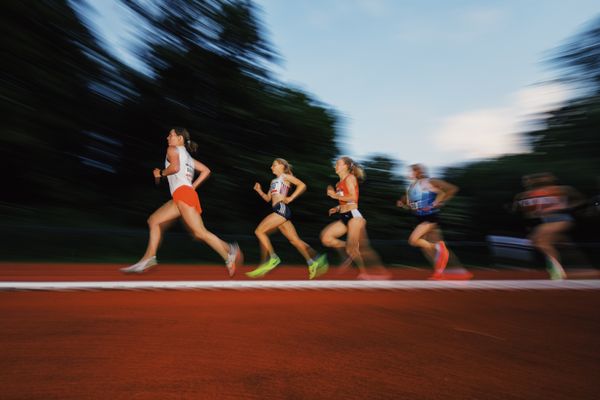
(421,197)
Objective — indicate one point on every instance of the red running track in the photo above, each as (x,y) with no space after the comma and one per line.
(17,272)
(295,344)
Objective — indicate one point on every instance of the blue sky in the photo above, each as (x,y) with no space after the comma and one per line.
(438,82)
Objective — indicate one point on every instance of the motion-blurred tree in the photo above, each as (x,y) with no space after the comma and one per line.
(213,78)
(50,66)
(567,144)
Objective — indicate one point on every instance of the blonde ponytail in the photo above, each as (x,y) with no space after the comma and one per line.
(287,167)
(354,168)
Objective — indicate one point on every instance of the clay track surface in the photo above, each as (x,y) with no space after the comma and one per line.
(293,344)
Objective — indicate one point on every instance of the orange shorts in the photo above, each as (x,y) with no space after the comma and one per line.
(188,195)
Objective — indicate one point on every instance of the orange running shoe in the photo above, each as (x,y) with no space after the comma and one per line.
(441,257)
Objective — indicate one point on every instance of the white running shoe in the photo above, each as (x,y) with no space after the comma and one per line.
(141,266)
(234,253)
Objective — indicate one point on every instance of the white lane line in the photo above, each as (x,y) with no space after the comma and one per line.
(309,285)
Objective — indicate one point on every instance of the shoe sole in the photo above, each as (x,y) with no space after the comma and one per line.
(129,270)
(262,273)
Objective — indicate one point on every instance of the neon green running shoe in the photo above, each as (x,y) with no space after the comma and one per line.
(556,272)
(318,267)
(264,268)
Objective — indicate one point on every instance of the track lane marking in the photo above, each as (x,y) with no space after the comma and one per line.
(309,285)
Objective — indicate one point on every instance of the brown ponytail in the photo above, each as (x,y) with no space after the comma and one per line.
(190,145)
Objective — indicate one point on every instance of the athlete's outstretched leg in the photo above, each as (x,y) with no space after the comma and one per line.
(194,222)
(371,258)
(157,223)
(331,233)
(416,238)
(436,252)
(356,226)
(544,238)
(317,265)
(433,236)
(266,226)
(289,231)
(262,231)
(330,238)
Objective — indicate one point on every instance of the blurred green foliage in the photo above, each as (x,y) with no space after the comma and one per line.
(82,132)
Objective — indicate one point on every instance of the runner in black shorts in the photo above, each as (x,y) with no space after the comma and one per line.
(350,220)
(281,218)
(424,197)
(548,205)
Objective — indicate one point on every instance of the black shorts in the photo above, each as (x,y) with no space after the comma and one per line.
(431,218)
(347,216)
(556,217)
(282,209)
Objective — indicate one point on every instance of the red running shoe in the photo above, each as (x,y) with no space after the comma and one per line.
(455,276)
(441,257)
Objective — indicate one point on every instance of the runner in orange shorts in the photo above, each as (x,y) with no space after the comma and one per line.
(179,171)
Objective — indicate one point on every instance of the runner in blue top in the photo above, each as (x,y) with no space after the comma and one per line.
(424,197)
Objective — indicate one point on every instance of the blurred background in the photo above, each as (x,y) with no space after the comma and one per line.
(90,89)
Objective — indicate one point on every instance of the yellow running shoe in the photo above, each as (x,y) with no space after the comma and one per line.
(319,267)
(264,268)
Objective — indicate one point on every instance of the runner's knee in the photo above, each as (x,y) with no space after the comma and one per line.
(152,221)
(259,232)
(328,240)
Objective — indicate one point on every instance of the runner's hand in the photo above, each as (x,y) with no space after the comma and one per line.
(157,176)
(330,191)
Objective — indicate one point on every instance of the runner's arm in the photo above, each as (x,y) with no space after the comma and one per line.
(204,173)
(300,188)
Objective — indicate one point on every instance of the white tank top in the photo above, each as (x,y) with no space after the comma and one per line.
(186,170)
(278,186)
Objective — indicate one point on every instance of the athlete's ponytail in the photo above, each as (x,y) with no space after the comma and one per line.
(354,168)
(541,179)
(287,167)
(190,145)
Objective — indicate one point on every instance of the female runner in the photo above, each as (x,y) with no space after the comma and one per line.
(179,170)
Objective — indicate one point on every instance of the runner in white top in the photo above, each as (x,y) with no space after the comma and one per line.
(179,170)
(184,176)
(281,218)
